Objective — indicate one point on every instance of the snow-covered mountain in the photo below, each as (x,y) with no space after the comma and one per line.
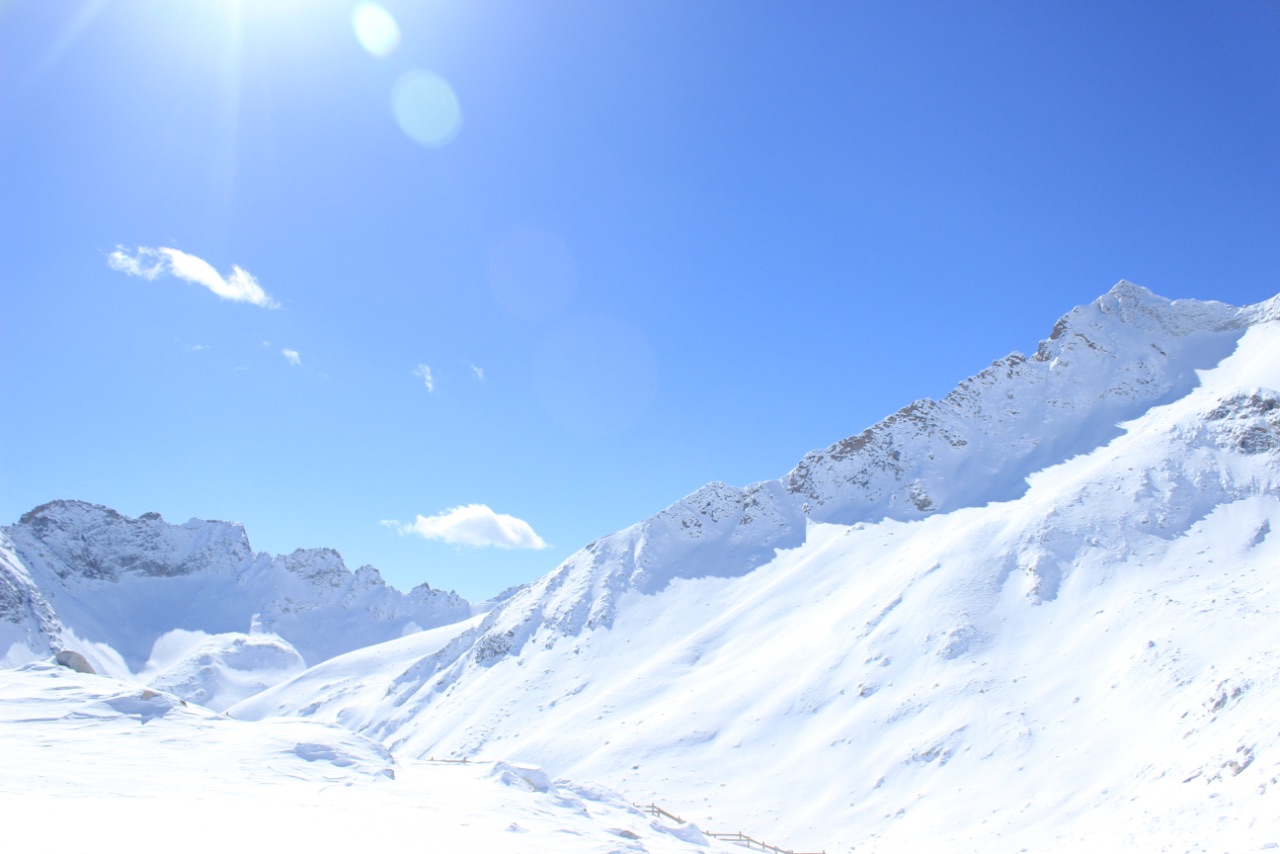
(1040,613)
(192,606)
(1028,611)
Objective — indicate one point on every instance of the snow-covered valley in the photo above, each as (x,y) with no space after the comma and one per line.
(1039,614)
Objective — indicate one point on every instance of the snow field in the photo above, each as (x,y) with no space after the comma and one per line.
(92,762)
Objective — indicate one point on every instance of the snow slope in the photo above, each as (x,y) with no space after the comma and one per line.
(92,762)
(1040,613)
(360,687)
(1104,363)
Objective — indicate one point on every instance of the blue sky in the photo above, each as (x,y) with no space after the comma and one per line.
(594,256)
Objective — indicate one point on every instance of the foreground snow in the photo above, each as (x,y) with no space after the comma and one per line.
(88,759)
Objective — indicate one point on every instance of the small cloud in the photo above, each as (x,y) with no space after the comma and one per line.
(423,372)
(291,356)
(150,264)
(147,263)
(478,371)
(473,525)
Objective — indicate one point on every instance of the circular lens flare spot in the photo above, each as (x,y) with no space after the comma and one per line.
(532,273)
(595,374)
(426,108)
(375,29)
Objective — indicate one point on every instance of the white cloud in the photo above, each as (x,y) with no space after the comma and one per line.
(150,264)
(147,263)
(291,356)
(424,373)
(473,525)
(478,371)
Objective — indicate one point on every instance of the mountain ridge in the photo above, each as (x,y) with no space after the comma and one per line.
(864,477)
(1089,659)
(76,569)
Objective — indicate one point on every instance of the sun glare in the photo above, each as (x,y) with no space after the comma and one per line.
(377,32)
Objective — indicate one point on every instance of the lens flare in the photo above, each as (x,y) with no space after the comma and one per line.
(375,29)
(595,374)
(531,273)
(426,108)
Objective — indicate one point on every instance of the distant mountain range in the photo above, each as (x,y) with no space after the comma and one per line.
(1043,608)
(191,607)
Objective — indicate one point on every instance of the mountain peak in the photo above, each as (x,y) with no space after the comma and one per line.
(1126,288)
(62,508)
(93,541)
(1102,364)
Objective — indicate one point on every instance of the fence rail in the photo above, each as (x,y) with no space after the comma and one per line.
(655,810)
(738,838)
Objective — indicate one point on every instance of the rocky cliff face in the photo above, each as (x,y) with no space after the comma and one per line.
(87,541)
(1102,364)
(72,569)
(28,624)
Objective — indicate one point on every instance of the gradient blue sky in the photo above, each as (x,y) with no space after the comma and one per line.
(668,242)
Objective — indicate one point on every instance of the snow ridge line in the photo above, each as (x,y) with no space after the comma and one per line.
(1104,363)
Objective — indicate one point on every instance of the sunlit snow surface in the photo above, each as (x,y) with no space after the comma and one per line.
(89,761)
(867,655)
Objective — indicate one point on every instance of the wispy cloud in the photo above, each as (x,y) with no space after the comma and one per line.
(478,371)
(239,286)
(473,525)
(291,356)
(423,372)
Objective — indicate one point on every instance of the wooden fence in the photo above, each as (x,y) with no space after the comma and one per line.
(738,838)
